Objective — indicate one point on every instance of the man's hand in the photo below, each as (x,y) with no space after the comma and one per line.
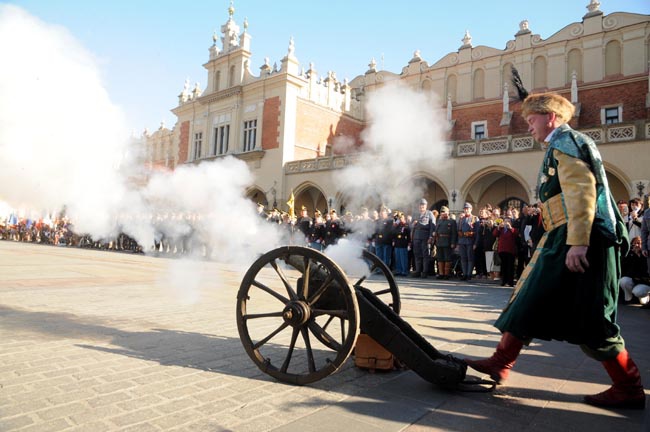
(576,259)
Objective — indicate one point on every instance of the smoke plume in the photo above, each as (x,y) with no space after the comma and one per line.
(405,135)
(64,147)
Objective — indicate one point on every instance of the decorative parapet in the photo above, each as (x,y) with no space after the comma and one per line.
(595,134)
(608,134)
(621,133)
(466,149)
(523,144)
(322,163)
(493,146)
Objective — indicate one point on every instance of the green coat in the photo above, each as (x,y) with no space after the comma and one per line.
(551,302)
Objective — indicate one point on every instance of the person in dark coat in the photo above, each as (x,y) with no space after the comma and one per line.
(384,237)
(422,234)
(445,240)
(401,242)
(569,290)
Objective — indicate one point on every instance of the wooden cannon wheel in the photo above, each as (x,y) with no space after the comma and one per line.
(310,326)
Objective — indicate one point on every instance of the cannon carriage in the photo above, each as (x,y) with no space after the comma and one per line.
(299,315)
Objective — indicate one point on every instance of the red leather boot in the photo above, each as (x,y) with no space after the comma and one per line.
(498,366)
(627,390)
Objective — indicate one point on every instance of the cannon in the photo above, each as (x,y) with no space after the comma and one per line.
(299,315)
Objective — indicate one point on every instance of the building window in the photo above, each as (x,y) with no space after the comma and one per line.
(198,140)
(479,130)
(221,139)
(250,134)
(611,115)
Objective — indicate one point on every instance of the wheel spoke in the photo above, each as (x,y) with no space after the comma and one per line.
(310,354)
(342,329)
(262,315)
(305,278)
(341,313)
(292,345)
(322,334)
(360,281)
(275,294)
(287,285)
(385,291)
(269,337)
(319,292)
(329,320)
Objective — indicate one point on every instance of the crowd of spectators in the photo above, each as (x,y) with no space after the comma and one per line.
(59,231)
(497,244)
(392,235)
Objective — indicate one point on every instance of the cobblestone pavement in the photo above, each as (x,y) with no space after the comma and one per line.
(99,341)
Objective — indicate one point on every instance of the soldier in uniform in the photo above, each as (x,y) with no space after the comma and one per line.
(424,227)
(332,229)
(468,226)
(446,239)
(317,232)
(305,223)
(401,244)
(384,237)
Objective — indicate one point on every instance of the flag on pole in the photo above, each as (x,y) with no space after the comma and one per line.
(290,203)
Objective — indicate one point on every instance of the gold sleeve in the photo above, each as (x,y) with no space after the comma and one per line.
(579,188)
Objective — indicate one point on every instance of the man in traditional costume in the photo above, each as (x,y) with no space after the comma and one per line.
(569,290)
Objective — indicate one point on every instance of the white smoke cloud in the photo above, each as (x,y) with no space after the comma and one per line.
(405,134)
(348,254)
(60,135)
(62,141)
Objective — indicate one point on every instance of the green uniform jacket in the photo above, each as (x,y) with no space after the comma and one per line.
(446,233)
(551,302)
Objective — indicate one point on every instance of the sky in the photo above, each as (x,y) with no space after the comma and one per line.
(145,50)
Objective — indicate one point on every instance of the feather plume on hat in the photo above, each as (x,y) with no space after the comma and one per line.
(522,93)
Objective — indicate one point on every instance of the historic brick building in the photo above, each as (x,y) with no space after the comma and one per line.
(285,120)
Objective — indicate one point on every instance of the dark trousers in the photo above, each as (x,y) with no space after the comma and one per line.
(466,259)
(522,260)
(507,268)
(479,261)
(421,253)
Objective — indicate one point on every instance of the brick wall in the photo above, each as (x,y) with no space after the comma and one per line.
(630,95)
(271,123)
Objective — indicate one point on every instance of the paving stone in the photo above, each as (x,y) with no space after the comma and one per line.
(15,423)
(134,417)
(95,344)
